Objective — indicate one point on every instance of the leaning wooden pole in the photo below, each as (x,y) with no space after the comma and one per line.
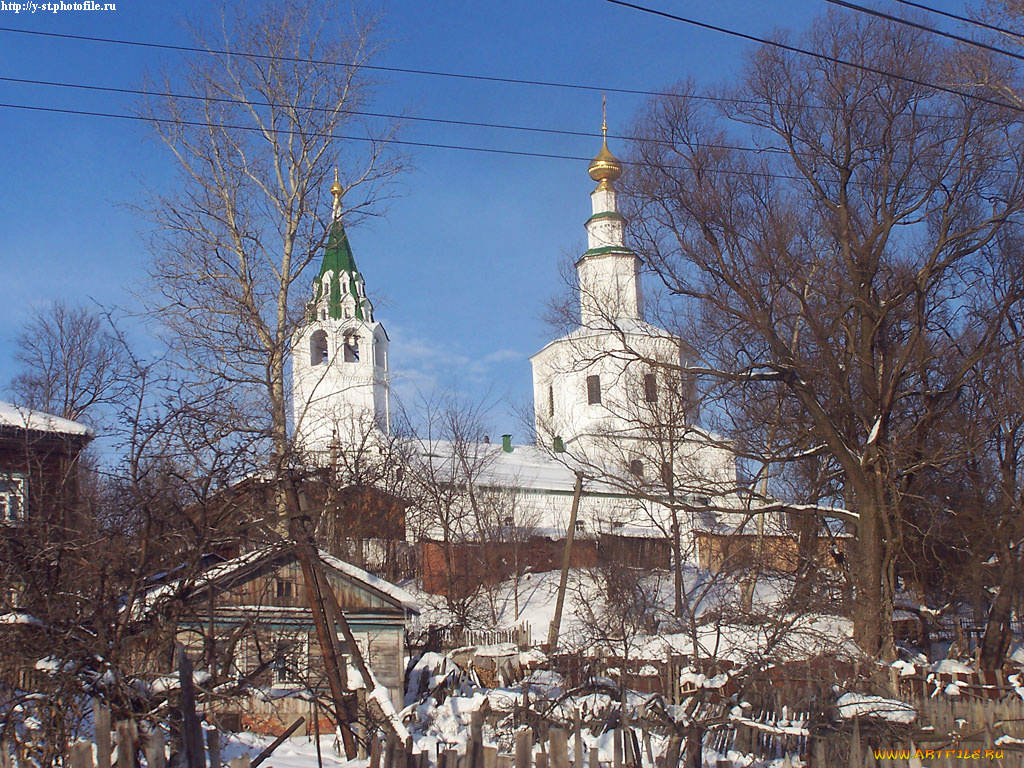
(556,622)
(315,587)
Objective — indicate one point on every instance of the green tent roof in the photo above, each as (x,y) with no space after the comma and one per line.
(338,259)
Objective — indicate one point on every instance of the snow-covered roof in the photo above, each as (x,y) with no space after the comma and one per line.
(40,421)
(525,467)
(381,585)
(626,325)
(155,595)
(19,619)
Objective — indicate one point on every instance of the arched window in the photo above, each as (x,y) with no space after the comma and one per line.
(636,468)
(379,356)
(318,349)
(351,348)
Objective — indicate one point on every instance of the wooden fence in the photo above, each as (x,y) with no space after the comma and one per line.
(521,636)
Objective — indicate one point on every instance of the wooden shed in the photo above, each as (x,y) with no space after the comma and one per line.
(254,613)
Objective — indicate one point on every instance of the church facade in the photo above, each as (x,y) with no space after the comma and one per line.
(612,407)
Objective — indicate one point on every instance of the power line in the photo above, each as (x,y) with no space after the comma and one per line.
(458,75)
(434,120)
(400,142)
(325,62)
(814,54)
(964,19)
(256,129)
(923,27)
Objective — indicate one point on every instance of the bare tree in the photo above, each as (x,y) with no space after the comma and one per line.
(845,264)
(70,364)
(255,140)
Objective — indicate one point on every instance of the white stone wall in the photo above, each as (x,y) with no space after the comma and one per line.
(339,398)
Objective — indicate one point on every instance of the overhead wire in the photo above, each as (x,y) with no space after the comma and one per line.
(398,142)
(923,27)
(364,113)
(458,75)
(326,62)
(957,17)
(814,54)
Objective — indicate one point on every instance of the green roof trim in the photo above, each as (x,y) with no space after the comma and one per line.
(609,249)
(614,215)
(338,259)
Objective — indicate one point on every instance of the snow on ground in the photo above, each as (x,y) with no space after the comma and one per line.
(853,705)
(786,637)
(297,752)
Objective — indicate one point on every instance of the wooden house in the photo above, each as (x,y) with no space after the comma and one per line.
(39,466)
(248,620)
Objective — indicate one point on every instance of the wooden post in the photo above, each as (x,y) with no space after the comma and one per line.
(558,748)
(375,753)
(316,587)
(277,742)
(524,748)
(556,621)
(856,756)
(125,746)
(540,760)
(475,747)
(101,720)
(490,757)
(192,734)
(240,762)
(617,749)
(81,756)
(595,758)
(213,747)
(577,738)
(155,755)
(675,743)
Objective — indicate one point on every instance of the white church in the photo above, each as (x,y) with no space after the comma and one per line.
(611,405)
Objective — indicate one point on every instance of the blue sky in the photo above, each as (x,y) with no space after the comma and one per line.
(463,261)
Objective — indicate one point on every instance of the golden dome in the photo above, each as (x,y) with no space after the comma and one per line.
(605,167)
(336,188)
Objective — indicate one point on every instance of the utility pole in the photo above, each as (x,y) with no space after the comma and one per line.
(556,622)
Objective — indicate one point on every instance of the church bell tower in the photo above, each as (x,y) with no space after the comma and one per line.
(340,381)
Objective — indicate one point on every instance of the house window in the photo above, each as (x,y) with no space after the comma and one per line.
(285,589)
(291,659)
(580,526)
(650,388)
(13,496)
(636,468)
(593,390)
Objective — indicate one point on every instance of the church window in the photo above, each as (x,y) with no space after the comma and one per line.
(593,390)
(650,388)
(13,496)
(318,349)
(351,348)
(636,468)
(551,400)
